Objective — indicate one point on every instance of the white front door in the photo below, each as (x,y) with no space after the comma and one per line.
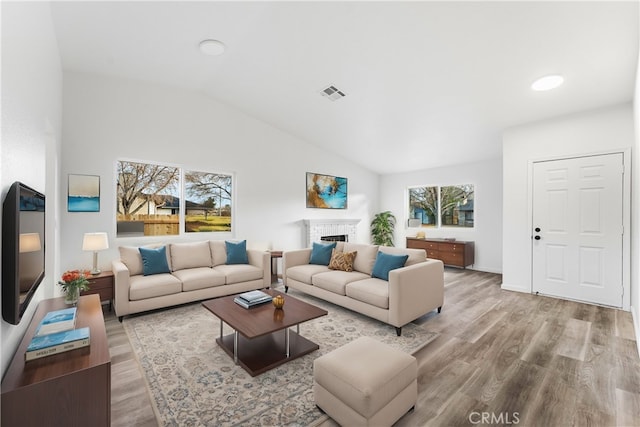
(578,227)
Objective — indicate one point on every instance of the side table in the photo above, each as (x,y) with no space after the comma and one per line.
(274,265)
(102,284)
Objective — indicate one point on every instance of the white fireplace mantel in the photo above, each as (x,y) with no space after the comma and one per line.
(317,228)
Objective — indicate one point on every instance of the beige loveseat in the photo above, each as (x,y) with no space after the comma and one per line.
(410,292)
(198,271)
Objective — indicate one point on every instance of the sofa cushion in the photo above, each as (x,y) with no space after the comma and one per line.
(321,253)
(199,278)
(130,257)
(218,252)
(143,287)
(303,273)
(154,261)
(371,291)
(235,273)
(342,260)
(190,255)
(385,263)
(415,255)
(335,280)
(366,256)
(236,252)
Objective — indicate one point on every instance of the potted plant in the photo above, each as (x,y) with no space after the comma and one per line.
(382,228)
(73,282)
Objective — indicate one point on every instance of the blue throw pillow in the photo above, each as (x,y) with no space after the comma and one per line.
(154,261)
(321,253)
(385,263)
(237,252)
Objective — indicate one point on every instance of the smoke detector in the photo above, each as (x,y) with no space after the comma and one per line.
(333,93)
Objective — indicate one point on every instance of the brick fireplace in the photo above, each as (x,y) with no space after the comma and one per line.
(316,229)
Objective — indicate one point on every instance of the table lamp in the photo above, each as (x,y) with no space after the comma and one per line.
(95,242)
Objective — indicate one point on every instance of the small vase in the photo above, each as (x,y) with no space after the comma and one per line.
(71,296)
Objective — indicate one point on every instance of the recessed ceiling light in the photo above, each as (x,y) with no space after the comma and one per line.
(547,82)
(212,47)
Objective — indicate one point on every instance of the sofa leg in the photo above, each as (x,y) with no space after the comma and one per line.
(120,319)
(286,289)
(440,309)
(398,331)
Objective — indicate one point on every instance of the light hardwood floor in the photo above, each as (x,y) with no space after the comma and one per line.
(502,357)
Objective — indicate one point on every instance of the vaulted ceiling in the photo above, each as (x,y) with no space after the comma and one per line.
(427,83)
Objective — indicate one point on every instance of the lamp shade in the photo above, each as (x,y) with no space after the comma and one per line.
(30,242)
(95,242)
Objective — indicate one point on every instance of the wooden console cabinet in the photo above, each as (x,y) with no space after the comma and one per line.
(72,388)
(451,252)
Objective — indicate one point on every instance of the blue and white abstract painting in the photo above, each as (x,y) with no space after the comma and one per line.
(84,193)
(326,191)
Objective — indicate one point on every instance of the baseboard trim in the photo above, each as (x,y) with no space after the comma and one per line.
(508,287)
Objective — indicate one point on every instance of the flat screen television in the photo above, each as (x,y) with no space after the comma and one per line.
(23,247)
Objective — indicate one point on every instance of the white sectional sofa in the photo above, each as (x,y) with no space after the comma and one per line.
(410,291)
(196,271)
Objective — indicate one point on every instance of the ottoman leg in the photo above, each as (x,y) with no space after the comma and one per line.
(398,331)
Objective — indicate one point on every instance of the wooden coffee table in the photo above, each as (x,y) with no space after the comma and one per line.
(262,338)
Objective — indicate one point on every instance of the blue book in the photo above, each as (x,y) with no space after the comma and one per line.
(57,321)
(57,342)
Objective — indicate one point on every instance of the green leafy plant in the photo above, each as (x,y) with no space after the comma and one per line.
(382,228)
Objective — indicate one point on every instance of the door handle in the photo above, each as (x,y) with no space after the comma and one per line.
(537,237)
(537,229)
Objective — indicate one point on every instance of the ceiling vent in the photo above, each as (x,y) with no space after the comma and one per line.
(333,93)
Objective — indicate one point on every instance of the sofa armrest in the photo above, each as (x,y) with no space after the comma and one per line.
(293,258)
(415,290)
(120,287)
(262,260)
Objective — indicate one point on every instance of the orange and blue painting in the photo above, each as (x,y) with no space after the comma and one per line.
(326,191)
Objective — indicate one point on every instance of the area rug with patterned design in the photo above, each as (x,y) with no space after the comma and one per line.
(193,382)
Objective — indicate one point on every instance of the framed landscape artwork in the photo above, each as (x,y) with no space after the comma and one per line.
(83,193)
(326,191)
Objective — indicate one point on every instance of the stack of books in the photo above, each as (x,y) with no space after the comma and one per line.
(57,321)
(57,342)
(251,299)
(56,334)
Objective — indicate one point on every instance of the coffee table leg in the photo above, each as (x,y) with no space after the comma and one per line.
(235,347)
(286,341)
(221,325)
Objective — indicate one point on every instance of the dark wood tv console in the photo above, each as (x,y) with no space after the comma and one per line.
(451,252)
(71,388)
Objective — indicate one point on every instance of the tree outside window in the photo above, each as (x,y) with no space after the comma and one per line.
(457,205)
(423,205)
(448,206)
(148,199)
(207,202)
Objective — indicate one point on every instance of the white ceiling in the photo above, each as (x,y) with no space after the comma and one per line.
(427,83)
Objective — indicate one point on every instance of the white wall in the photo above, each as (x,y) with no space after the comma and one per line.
(106,119)
(635,211)
(487,179)
(590,132)
(31,122)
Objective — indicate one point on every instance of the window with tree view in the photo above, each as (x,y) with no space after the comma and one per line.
(207,202)
(423,205)
(150,200)
(447,206)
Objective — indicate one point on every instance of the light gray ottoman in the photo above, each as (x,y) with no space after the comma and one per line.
(365,382)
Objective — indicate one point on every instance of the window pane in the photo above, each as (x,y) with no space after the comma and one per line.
(423,205)
(457,205)
(207,202)
(148,199)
